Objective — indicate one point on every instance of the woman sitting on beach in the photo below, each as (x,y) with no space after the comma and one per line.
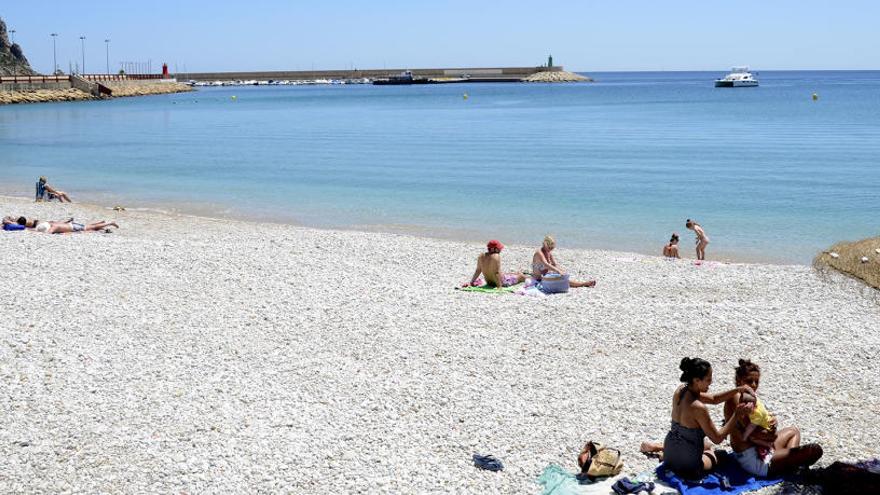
(786,454)
(671,250)
(543,263)
(702,238)
(684,450)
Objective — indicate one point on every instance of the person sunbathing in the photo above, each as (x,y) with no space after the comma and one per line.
(685,451)
(543,263)
(654,449)
(45,191)
(489,266)
(671,250)
(765,453)
(69,226)
(23,221)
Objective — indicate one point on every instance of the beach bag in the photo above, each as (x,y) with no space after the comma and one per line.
(601,461)
(554,283)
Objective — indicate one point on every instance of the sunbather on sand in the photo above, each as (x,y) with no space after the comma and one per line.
(70,226)
(489,265)
(702,238)
(685,450)
(764,451)
(654,449)
(45,191)
(671,250)
(543,263)
(19,221)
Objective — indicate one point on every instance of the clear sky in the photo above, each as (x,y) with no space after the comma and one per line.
(586,35)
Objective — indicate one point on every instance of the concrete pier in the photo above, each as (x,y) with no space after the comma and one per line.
(475,73)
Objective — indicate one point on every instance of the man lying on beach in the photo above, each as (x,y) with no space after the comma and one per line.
(71,226)
(489,265)
(45,191)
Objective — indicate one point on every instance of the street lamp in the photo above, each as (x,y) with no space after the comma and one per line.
(54,58)
(83,40)
(107,44)
(14,59)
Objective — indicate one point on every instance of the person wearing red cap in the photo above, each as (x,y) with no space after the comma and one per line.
(489,265)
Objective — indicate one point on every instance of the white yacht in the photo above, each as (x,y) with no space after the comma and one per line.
(738,77)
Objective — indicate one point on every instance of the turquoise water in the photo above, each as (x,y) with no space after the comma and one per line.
(621,163)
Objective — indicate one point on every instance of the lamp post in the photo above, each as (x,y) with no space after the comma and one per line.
(14,65)
(107,44)
(83,40)
(54,58)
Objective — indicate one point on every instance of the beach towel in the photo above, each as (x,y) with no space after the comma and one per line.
(490,289)
(558,481)
(713,483)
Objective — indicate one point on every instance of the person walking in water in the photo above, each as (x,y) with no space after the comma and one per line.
(45,191)
(702,238)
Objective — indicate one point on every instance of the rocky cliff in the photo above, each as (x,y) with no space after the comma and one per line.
(12,59)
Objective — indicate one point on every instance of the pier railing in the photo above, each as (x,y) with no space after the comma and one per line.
(41,79)
(120,77)
(38,79)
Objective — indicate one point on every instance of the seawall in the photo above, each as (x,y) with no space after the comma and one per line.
(475,73)
(42,89)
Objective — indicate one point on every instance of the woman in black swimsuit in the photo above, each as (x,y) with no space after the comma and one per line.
(685,451)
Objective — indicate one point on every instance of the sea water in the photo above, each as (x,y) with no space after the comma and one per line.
(621,163)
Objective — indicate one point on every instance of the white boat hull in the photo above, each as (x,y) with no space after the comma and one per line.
(735,84)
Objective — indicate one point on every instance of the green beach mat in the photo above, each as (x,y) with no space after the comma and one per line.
(491,289)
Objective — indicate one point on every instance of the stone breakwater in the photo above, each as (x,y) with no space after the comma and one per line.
(125,89)
(43,96)
(70,94)
(213,356)
(557,76)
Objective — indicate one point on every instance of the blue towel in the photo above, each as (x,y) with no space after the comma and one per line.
(740,481)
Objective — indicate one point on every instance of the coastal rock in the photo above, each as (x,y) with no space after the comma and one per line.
(557,76)
(12,59)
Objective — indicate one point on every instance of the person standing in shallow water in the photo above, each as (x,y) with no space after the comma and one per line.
(684,450)
(787,454)
(702,238)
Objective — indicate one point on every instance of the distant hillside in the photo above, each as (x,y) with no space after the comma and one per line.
(12,59)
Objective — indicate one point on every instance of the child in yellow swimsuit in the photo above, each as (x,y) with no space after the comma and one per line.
(758,418)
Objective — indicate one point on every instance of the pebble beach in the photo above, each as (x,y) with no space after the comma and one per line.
(184,354)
